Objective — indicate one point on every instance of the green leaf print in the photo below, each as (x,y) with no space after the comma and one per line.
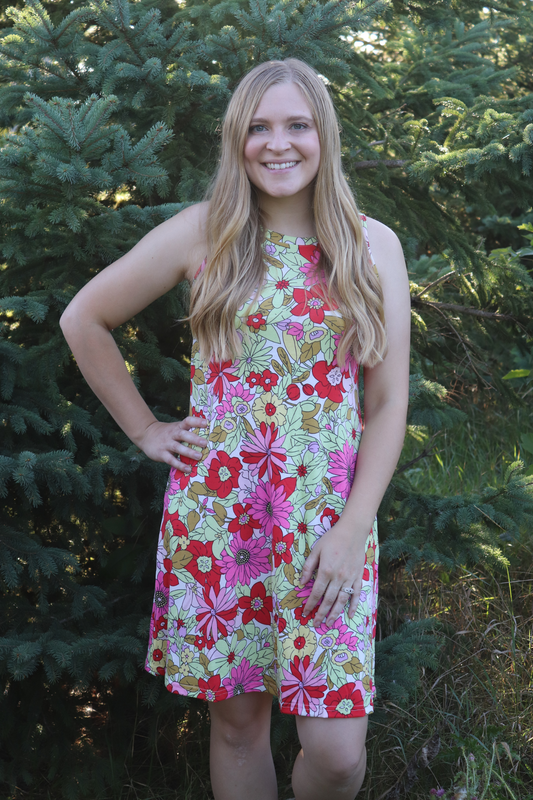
(293,420)
(328,347)
(278,312)
(292,346)
(271,333)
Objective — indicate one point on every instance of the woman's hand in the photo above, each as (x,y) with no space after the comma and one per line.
(163,441)
(339,558)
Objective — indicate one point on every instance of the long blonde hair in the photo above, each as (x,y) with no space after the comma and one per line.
(235,264)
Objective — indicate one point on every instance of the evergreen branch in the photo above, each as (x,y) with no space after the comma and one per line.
(475,312)
(424,454)
(372,164)
(426,289)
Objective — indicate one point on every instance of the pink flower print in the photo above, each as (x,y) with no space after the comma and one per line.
(270,505)
(302,686)
(235,402)
(220,375)
(264,452)
(342,469)
(173,485)
(215,612)
(244,560)
(270,250)
(345,635)
(244,678)
(161,594)
(296,329)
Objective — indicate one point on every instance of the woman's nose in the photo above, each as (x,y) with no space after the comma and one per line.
(278,141)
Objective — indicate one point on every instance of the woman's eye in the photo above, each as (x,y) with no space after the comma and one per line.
(257,128)
(300,126)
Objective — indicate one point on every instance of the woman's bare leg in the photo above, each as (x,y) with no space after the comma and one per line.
(241,759)
(332,761)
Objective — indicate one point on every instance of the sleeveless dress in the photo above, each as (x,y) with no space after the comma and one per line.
(284,428)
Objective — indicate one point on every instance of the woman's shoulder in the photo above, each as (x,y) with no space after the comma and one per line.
(385,248)
(190,228)
(380,234)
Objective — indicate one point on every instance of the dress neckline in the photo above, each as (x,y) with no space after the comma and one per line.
(283,237)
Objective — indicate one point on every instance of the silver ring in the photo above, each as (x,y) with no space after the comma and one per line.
(348,590)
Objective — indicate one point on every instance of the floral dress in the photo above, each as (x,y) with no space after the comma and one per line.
(284,428)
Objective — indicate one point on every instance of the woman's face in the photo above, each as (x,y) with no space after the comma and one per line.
(282,150)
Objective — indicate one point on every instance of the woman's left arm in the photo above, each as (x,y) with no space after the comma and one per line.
(339,555)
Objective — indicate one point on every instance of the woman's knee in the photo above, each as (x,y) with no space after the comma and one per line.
(334,749)
(242,721)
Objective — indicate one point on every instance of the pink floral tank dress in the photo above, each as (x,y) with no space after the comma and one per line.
(284,428)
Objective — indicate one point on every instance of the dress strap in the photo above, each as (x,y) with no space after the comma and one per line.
(200,268)
(367,240)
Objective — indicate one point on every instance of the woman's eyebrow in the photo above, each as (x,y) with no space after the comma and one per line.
(297,117)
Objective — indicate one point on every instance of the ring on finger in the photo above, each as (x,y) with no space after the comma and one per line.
(348,590)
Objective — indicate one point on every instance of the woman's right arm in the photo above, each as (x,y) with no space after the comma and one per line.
(164,257)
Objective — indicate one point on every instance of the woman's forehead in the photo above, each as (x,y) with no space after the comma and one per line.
(282,100)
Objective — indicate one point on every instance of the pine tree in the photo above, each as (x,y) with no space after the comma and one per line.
(110,114)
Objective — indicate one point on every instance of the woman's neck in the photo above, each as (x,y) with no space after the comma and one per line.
(292,215)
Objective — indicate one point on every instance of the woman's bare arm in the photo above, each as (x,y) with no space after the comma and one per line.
(165,256)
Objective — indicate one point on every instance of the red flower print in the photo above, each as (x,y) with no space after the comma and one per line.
(311,252)
(257,605)
(307,302)
(203,566)
(223,474)
(157,655)
(304,618)
(204,641)
(160,624)
(330,516)
(281,546)
(172,525)
(216,612)
(256,321)
(308,389)
(329,379)
(169,579)
(268,380)
(366,574)
(254,379)
(282,284)
(243,524)
(262,450)
(221,377)
(293,391)
(212,689)
(280,622)
(302,686)
(345,702)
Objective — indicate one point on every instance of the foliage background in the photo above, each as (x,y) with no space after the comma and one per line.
(109,114)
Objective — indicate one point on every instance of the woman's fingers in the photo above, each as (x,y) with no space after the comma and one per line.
(172,442)
(310,565)
(354,602)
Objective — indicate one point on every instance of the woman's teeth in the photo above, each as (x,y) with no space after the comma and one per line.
(285,165)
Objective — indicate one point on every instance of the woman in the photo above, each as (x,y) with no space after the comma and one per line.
(268,541)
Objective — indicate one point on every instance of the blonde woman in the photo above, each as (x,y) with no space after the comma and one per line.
(267,559)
